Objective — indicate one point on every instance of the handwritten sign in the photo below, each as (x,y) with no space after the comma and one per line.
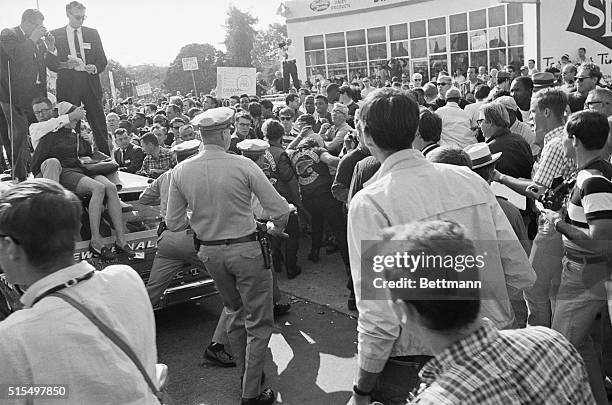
(234,81)
(190,63)
(143,89)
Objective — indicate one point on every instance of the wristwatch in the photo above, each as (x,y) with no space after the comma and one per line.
(360,392)
(556,222)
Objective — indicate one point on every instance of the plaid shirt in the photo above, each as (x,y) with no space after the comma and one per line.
(523,366)
(163,162)
(552,162)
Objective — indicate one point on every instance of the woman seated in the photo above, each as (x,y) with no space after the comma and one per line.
(62,145)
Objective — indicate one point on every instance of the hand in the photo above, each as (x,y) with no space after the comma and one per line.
(78,114)
(275,231)
(325,127)
(496,175)
(535,191)
(50,41)
(359,400)
(38,33)
(91,69)
(550,215)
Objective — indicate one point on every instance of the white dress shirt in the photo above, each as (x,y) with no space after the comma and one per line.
(40,129)
(51,342)
(408,188)
(456,129)
(71,45)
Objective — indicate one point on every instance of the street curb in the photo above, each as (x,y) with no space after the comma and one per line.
(329,307)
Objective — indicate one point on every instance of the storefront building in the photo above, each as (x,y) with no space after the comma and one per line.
(347,38)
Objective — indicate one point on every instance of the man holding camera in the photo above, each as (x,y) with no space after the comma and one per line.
(23,77)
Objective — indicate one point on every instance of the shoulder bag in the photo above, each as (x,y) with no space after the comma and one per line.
(97,164)
(161,394)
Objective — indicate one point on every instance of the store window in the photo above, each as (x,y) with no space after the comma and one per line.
(436,26)
(478,19)
(418,48)
(315,58)
(437,64)
(421,67)
(336,71)
(377,35)
(459,42)
(459,61)
(458,22)
(316,71)
(516,57)
(515,13)
(335,40)
(497,58)
(418,29)
(399,49)
(497,37)
(357,54)
(337,55)
(478,40)
(398,32)
(378,51)
(314,42)
(358,70)
(497,16)
(515,35)
(437,44)
(355,37)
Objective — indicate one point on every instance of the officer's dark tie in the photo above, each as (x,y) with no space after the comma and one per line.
(77,45)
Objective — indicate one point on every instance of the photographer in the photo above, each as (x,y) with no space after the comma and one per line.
(548,107)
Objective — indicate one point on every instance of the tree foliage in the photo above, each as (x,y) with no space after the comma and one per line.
(206,75)
(152,74)
(265,53)
(120,76)
(239,37)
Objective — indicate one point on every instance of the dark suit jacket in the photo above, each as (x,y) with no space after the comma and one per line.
(131,161)
(93,56)
(27,60)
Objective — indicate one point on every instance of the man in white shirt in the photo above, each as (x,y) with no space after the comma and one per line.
(288,57)
(408,188)
(38,223)
(456,130)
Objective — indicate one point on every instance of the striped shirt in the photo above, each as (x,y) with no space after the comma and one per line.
(591,199)
(552,162)
(536,365)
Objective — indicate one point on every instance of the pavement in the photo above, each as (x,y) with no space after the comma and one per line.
(312,352)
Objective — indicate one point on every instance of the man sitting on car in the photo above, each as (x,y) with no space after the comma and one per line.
(39,220)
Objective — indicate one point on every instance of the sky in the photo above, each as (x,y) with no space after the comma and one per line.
(136,32)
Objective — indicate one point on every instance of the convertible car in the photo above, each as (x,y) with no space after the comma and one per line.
(141,222)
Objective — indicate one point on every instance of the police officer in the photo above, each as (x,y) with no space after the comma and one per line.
(217,187)
(175,249)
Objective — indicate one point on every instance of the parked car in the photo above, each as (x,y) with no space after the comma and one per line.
(141,222)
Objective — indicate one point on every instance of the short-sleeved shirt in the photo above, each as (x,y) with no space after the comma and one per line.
(591,199)
(163,162)
(312,174)
(552,163)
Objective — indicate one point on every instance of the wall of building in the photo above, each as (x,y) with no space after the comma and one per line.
(567,25)
(435,34)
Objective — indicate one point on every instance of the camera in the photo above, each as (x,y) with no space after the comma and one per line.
(554,198)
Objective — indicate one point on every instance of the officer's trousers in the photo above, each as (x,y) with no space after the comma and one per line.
(174,249)
(246,289)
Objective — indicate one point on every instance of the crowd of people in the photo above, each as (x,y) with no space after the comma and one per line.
(436,167)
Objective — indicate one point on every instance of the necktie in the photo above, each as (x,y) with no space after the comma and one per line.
(77,45)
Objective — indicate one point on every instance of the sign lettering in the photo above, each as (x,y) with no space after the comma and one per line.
(593,19)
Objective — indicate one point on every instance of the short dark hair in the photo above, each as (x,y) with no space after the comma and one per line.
(244,115)
(348,90)
(255,109)
(41,100)
(286,111)
(472,67)
(75,4)
(245,95)
(177,119)
(430,126)
(175,108)
(267,104)
(213,99)
(177,101)
(43,218)
(273,129)
(307,119)
(455,308)
(594,70)
(526,81)
(120,131)
(531,60)
(451,156)
(31,15)
(590,127)
(149,137)
(391,118)
(322,97)
(291,97)
(582,49)
(482,91)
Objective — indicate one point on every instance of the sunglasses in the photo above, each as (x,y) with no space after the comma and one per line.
(285,118)
(579,79)
(443,84)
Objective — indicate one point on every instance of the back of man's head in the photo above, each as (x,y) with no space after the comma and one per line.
(430,91)
(430,126)
(391,118)
(590,127)
(482,92)
(272,129)
(43,219)
(31,16)
(450,155)
(150,139)
(442,246)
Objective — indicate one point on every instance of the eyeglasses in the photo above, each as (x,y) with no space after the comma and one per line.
(43,110)
(285,118)
(9,236)
(579,79)
(79,17)
(590,104)
(443,84)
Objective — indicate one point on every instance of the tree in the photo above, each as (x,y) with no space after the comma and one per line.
(123,80)
(205,76)
(265,53)
(239,36)
(152,74)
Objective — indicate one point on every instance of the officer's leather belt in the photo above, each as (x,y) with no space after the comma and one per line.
(586,259)
(249,238)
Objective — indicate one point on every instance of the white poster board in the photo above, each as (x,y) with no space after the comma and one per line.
(143,89)
(234,81)
(190,63)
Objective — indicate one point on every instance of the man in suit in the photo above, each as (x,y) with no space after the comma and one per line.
(128,156)
(22,64)
(79,62)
